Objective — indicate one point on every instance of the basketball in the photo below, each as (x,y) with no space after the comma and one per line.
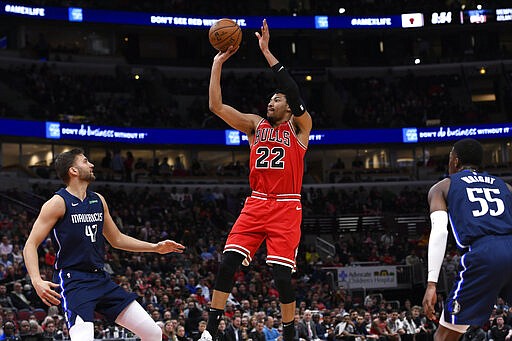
(224,33)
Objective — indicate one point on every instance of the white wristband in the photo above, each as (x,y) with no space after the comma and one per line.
(437,244)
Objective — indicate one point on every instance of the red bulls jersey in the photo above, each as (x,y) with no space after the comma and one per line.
(277,159)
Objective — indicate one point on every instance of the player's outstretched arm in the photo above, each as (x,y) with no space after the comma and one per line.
(50,213)
(122,241)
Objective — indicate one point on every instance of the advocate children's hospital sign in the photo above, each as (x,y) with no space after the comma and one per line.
(367,277)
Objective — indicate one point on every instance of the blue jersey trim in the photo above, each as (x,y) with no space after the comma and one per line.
(57,258)
(64,298)
(459,284)
(455,234)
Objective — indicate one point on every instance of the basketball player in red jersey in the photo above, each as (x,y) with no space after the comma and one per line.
(273,212)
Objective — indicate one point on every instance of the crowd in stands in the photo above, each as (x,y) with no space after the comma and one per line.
(122,100)
(405,101)
(175,289)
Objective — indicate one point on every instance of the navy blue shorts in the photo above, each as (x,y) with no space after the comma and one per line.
(485,273)
(83,293)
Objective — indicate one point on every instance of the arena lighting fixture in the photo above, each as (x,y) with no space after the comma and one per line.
(433,122)
(482,70)
(136,76)
(483,98)
(417,61)
(341,10)
(309,78)
(479,7)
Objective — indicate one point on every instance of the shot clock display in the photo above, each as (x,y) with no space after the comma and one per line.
(440,18)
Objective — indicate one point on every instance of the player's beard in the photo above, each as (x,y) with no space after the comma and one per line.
(87,176)
(271,119)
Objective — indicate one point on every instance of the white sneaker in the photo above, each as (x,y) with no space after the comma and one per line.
(206,336)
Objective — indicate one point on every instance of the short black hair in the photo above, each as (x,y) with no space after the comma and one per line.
(469,151)
(277,91)
(64,161)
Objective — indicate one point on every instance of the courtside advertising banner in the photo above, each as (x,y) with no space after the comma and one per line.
(65,131)
(367,277)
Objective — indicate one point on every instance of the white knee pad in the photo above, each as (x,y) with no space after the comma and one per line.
(138,321)
(81,330)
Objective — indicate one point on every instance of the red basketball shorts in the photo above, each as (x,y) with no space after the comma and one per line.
(275,218)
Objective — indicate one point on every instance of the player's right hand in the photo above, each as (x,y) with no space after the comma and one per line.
(45,291)
(429,301)
(223,56)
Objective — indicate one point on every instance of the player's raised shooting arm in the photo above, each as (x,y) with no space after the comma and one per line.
(242,122)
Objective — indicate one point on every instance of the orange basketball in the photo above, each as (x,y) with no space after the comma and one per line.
(224,33)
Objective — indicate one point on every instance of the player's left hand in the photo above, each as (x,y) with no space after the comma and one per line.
(264,36)
(166,246)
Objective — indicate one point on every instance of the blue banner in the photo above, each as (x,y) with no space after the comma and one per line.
(229,137)
(481,131)
(77,14)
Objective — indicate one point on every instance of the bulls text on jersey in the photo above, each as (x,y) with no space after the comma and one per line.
(272,135)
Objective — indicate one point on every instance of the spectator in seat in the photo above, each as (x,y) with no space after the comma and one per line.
(501,331)
(257,334)
(180,334)
(10,332)
(308,326)
(234,330)
(19,300)
(222,334)
(6,245)
(49,327)
(62,333)
(24,328)
(271,333)
(5,299)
